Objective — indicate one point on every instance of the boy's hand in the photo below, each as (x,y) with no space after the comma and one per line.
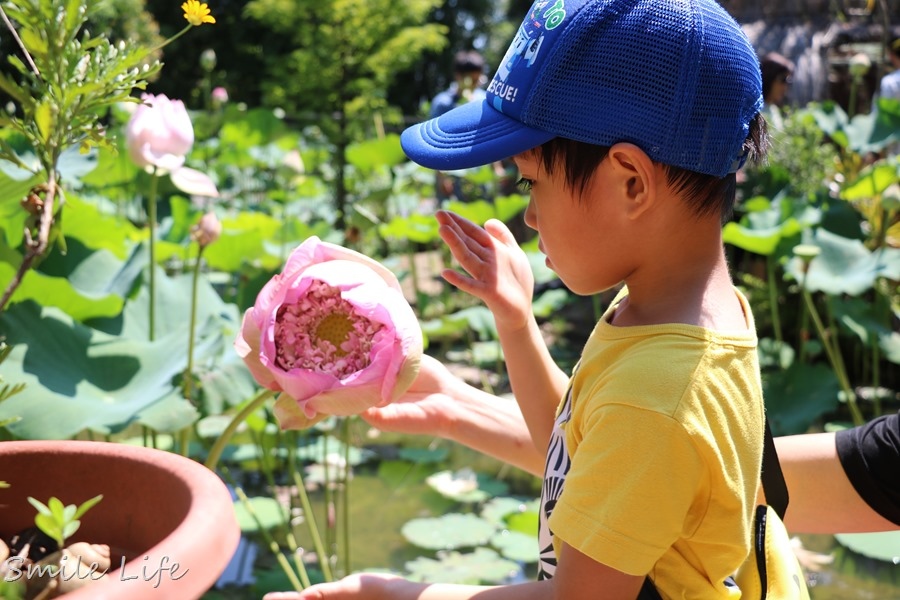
(500,274)
(371,586)
(426,408)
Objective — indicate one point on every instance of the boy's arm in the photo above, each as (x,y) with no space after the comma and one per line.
(440,404)
(813,472)
(500,275)
(577,578)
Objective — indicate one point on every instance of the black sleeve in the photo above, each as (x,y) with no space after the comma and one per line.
(870,455)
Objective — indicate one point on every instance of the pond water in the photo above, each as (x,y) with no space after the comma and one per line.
(387,494)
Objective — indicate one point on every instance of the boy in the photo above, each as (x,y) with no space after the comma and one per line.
(627,120)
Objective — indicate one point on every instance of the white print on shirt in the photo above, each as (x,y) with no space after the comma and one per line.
(555,471)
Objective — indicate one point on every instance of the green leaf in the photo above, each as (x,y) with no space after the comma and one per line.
(483,566)
(517,546)
(424,455)
(103,383)
(880,546)
(263,513)
(872,181)
(890,344)
(845,266)
(87,505)
(60,293)
(315,450)
(49,525)
(33,41)
(371,154)
(466,486)
(243,242)
(797,396)
(43,117)
(421,229)
(42,508)
(70,528)
(448,532)
(497,510)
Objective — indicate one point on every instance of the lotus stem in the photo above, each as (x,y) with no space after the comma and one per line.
(328,494)
(218,447)
(345,498)
(773,298)
(151,222)
(313,528)
(188,380)
(273,546)
(832,351)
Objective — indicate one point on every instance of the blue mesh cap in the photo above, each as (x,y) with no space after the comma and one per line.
(678,78)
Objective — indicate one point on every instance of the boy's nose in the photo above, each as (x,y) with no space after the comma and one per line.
(530,216)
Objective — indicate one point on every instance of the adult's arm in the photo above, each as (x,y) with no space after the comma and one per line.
(823,499)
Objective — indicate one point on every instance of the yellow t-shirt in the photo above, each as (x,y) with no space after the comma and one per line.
(654,462)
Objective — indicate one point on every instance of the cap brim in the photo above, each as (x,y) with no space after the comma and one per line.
(470,135)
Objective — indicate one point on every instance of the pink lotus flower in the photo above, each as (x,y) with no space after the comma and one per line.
(159,133)
(333,332)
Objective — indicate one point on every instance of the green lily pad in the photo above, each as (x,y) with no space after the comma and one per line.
(496,510)
(269,514)
(516,545)
(465,485)
(79,378)
(845,266)
(483,566)
(797,396)
(424,455)
(314,450)
(448,532)
(880,546)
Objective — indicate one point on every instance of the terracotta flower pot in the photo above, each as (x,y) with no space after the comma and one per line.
(159,510)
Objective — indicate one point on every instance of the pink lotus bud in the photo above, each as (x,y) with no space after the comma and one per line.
(207,230)
(159,133)
(219,96)
(333,332)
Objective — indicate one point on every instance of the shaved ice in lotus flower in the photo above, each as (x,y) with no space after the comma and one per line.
(332,332)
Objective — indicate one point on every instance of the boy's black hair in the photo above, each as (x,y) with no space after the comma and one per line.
(704,194)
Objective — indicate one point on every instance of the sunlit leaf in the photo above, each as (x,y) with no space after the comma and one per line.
(872,181)
(883,545)
(448,532)
(370,154)
(797,396)
(516,545)
(845,266)
(267,512)
(482,566)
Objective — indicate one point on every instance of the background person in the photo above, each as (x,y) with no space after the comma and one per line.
(777,72)
(890,83)
(844,482)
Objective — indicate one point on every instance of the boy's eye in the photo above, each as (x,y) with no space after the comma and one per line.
(524,184)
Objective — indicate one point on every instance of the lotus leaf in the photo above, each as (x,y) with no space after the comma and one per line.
(845,266)
(481,566)
(465,485)
(264,513)
(881,545)
(448,532)
(517,546)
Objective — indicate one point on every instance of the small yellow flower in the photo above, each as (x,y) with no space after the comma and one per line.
(197,13)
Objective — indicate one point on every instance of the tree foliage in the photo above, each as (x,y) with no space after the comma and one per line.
(345,52)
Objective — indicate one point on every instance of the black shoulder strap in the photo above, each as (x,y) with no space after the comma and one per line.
(772,478)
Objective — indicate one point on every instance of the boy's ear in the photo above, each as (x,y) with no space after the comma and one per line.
(636,177)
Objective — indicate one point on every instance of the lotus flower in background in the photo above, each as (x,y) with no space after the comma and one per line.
(333,333)
(159,135)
